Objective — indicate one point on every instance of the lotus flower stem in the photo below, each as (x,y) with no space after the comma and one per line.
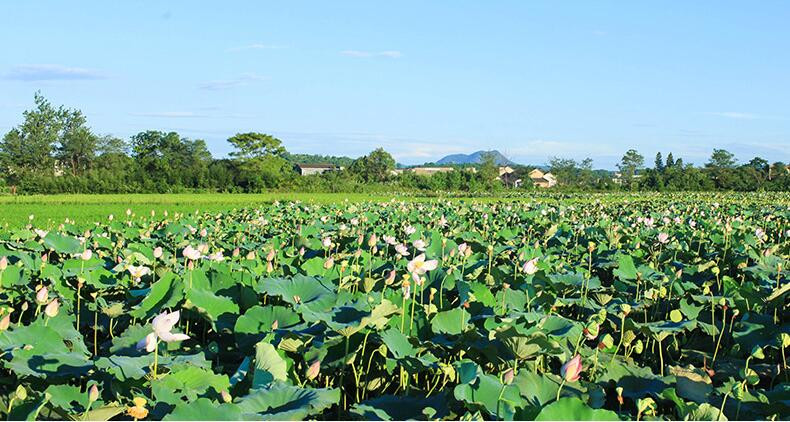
(620,343)
(95,331)
(156,357)
(721,334)
(559,390)
(723,402)
(79,288)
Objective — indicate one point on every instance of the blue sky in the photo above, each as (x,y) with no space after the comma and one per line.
(533,79)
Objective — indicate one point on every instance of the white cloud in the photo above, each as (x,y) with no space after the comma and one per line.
(736,115)
(258,46)
(392,54)
(242,80)
(52,72)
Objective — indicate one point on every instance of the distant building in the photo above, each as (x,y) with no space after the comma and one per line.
(308,169)
(429,171)
(618,177)
(541,179)
(505,170)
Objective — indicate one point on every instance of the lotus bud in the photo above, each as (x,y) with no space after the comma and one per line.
(571,370)
(86,255)
(372,240)
(128,212)
(21,393)
(5,322)
(313,370)
(269,267)
(301,251)
(251,255)
(507,378)
(270,255)
(329,263)
(390,278)
(275,325)
(42,295)
(24,306)
(3,263)
(158,252)
(93,393)
(226,397)
(52,309)
(619,395)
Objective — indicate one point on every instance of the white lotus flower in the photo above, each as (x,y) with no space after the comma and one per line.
(162,326)
(420,266)
(138,272)
(191,253)
(402,249)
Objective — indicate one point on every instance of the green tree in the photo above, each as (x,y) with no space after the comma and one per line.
(721,159)
(260,160)
(29,147)
(670,161)
(631,162)
(77,145)
(659,162)
(374,167)
(489,171)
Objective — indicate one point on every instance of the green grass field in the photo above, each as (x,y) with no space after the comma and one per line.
(50,210)
(86,209)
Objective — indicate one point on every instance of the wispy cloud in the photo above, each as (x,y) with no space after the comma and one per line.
(219,85)
(736,115)
(52,72)
(170,114)
(257,46)
(392,54)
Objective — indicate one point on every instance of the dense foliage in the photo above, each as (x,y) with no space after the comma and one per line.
(54,151)
(674,308)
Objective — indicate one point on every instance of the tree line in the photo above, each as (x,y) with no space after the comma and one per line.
(54,150)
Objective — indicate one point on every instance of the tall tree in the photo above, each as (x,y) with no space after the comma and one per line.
(260,159)
(670,161)
(721,159)
(631,162)
(659,162)
(29,147)
(374,167)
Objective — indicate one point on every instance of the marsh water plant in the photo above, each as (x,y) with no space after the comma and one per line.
(597,307)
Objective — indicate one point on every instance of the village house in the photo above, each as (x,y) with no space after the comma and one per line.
(309,169)
(541,179)
(428,171)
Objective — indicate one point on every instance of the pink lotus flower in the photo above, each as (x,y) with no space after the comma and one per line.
(419,244)
(191,253)
(530,267)
(326,242)
(420,266)
(409,230)
(158,252)
(572,369)
(402,249)
(663,238)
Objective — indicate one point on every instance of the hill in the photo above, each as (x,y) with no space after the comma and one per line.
(474,158)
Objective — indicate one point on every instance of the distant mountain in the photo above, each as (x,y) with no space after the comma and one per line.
(474,158)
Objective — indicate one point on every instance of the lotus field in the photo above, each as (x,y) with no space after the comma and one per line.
(613,308)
